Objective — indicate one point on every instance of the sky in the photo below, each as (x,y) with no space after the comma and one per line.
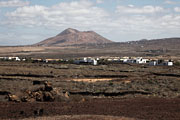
(24,22)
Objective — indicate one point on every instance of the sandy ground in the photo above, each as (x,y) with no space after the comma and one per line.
(92,80)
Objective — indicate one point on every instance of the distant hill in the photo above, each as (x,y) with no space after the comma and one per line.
(164,43)
(166,47)
(72,36)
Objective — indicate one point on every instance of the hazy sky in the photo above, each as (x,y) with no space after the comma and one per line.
(30,21)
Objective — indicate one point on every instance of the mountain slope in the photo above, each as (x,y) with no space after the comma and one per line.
(72,36)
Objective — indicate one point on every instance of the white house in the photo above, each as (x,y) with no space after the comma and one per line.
(169,63)
(23,59)
(86,61)
(125,60)
(138,60)
(94,62)
(12,58)
(131,61)
(17,59)
(141,60)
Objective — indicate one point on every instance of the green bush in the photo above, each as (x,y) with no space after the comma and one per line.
(110,83)
(177,63)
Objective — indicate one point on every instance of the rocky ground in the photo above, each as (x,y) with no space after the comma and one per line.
(128,90)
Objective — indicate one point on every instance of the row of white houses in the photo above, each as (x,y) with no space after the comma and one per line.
(140,60)
(135,60)
(94,61)
(161,63)
(11,58)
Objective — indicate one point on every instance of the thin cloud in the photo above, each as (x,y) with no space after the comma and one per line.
(139,10)
(13,3)
(77,13)
(99,1)
(171,2)
(177,9)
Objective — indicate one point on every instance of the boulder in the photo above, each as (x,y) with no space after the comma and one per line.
(66,95)
(48,96)
(48,86)
(38,96)
(13,98)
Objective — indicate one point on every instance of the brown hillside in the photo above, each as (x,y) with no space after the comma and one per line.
(72,36)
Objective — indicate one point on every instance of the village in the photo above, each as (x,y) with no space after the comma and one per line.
(97,60)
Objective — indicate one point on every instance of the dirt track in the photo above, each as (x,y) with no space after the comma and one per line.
(139,108)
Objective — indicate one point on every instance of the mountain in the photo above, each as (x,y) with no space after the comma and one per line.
(72,36)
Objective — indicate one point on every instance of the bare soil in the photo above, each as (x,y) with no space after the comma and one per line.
(137,108)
